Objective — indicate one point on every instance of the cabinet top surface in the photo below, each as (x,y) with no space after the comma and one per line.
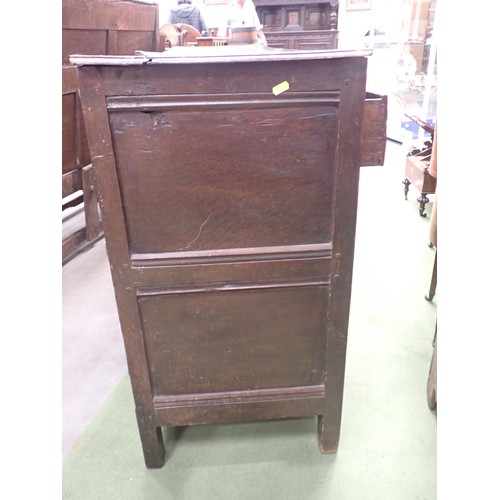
(229,53)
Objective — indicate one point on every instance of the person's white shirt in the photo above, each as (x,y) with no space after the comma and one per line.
(240,16)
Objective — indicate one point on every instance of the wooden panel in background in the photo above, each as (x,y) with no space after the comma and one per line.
(94,27)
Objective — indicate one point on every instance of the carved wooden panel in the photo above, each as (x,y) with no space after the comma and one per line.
(302,39)
(246,216)
(292,18)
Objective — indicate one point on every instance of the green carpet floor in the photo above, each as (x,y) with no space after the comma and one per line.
(265,460)
(388,435)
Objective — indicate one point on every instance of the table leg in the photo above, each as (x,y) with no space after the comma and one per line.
(407,183)
(423,200)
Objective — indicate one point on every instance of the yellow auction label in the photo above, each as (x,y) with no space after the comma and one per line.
(281,87)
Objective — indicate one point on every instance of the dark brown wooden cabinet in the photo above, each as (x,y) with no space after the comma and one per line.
(299,24)
(229,211)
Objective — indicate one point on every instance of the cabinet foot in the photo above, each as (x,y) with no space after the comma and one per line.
(328,434)
(153,446)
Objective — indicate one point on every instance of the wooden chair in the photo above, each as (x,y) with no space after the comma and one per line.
(191,33)
(179,34)
(169,31)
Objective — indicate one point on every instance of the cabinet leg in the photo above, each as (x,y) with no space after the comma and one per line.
(328,433)
(423,200)
(407,183)
(153,446)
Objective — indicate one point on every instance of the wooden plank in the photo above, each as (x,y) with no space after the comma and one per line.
(69,80)
(89,186)
(71,182)
(68,132)
(374,131)
(109,15)
(72,243)
(89,41)
(127,42)
(344,212)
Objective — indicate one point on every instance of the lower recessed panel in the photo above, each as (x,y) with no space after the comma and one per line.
(209,341)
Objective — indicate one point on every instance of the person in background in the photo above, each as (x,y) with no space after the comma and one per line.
(240,14)
(186,13)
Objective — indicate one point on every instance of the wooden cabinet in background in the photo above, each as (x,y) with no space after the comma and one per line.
(299,24)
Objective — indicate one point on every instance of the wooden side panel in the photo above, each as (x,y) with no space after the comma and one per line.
(108,15)
(317,17)
(179,198)
(83,41)
(68,132)
(374,131)
(272,19)
(210,341)
(127,42)
(75,154)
